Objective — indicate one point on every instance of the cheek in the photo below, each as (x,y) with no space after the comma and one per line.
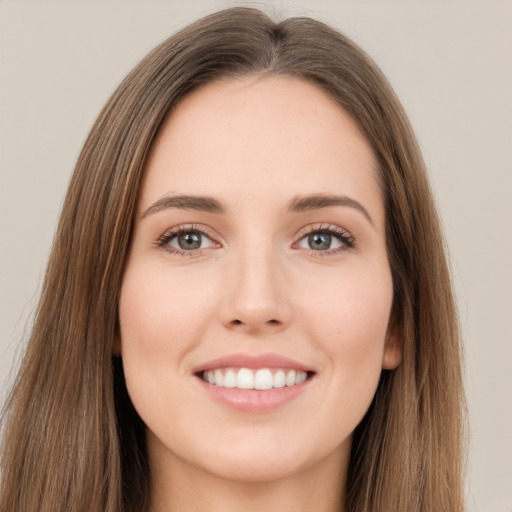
(162,318)
(158,325)
(164,315)
(349,323)
(161,311)
(143,339)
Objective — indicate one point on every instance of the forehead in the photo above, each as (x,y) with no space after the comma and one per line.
(258,137)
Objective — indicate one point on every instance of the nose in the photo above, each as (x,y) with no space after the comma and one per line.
(256,299)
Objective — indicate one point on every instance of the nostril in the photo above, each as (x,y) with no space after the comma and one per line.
(273,321)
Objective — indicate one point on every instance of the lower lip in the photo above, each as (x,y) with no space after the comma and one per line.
(252,400)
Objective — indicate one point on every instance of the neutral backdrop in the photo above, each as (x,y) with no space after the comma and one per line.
(450,63)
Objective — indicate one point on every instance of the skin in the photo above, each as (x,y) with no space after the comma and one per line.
(256,286)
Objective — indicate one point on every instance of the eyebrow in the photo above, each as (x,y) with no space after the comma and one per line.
(211,205)
(315,202)
(186,202)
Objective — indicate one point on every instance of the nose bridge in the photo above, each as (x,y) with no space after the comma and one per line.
(256,299)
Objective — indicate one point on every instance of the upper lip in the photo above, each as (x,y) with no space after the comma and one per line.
(253,362)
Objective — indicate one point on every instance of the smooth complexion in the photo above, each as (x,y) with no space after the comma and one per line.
(261,235)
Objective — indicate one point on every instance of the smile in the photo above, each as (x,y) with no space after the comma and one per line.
(255,383)
(258,379)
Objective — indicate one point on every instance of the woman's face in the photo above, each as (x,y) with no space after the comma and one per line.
(258,260)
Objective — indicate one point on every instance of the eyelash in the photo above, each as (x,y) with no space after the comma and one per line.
(173,233)
(348,241)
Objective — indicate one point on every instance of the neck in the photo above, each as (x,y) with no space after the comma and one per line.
(186,488)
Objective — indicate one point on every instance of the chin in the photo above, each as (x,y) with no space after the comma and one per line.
(256,469)
(269,458)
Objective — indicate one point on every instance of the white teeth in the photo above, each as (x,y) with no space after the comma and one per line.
(290,378)
(229,379)
(300,377)
(261,379)
(245,379)
(279,379)
(219,378)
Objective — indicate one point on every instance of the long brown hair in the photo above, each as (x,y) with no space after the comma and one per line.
(72,440)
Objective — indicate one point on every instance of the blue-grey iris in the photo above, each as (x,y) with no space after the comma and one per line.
(189,241)
(319,241)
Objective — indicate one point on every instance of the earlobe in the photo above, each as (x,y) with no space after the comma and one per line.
(393,348)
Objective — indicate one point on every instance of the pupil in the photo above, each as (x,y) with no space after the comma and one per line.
(319,241)
(189,241)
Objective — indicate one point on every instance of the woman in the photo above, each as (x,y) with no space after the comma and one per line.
(247,303)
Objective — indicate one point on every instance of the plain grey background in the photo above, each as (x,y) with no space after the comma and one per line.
(450,63)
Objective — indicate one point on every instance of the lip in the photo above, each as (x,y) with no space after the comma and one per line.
(252,362)
(251,400)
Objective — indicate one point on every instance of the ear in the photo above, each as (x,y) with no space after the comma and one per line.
(393,347)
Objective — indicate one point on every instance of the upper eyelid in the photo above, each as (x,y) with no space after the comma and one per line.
(304,230)
(331,228)
(199,228)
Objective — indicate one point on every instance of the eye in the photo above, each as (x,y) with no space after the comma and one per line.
(327,239)
(185,240)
